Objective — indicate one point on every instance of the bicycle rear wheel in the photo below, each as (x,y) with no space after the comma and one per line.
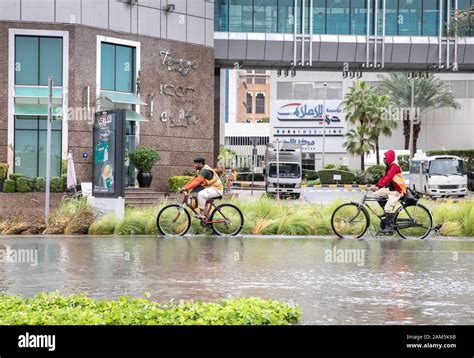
(173,220)
(227,220)
(350,221)
(413,222)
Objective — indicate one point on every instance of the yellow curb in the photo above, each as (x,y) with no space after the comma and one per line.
(332,185)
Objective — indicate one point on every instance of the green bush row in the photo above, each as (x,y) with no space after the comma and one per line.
(371,175)
(23,184)
(326,176)
(248,177)
(55,309)
(310,174)
(3,170)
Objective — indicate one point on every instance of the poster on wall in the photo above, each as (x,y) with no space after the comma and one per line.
(108,158)
(309,123)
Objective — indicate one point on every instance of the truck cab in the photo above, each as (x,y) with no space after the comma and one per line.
(286,180)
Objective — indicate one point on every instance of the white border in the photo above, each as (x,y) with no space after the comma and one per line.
(118,41)
(11,86)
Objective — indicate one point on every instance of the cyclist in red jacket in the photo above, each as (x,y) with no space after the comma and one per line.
(391,187)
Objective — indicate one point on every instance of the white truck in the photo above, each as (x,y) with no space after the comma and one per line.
(439,175)
(288,182)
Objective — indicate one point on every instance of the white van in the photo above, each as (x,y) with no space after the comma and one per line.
(439,175)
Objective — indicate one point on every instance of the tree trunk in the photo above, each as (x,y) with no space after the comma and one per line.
(362,164)
(377,150)
(416,133)
(406,130)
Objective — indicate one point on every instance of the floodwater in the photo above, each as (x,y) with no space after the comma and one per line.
(373,281)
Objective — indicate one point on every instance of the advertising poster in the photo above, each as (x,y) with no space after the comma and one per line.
(108,165)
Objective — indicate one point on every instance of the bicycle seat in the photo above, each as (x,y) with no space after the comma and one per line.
(215,198)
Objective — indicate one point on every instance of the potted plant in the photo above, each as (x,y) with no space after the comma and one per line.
(143,159)
(3,174)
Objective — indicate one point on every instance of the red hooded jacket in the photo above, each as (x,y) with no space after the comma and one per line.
(392,170)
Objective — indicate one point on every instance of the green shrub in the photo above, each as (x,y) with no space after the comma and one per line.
(40,184)
(248,177)
(9,186)
(177,182)
(344,168)
(371,175)
(56,185)
(404,162)
(24,185)
(134,223)
(55,309)
(3,170)
(329,166)
(63,166)
(15,176)
(104,226)
(310,174)
(143,158)
(327,176)
(64,181)
(72,217)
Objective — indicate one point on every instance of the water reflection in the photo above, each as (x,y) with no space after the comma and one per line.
(334,281)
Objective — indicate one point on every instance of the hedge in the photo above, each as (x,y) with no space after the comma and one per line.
(9,186)
(24,184)
(327,176)
(248,177)
(371,175)
(177,182)
(56,185)
(15,176)
(310,174)
(55,309)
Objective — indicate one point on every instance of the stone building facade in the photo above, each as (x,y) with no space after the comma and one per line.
(156,62)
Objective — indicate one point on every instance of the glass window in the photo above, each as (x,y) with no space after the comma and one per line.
(265,16)
(319,16)
(285,16)
(334,90)
(117,68)
(221,15)
(37,58)
(317,91)
(284,90)
(464,4)
(260,80)
(124,69)
(51,60)
(430,17)
(249,102)
(26,60)
(301,90)
(358,17)
(409,17)
(338,16)
(107,65)
(30,146)
(240,15)
(260,103)
(391,18)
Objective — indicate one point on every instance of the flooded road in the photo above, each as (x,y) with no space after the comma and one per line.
(374,281)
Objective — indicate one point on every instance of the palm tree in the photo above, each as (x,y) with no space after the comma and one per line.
(356,102)
(430,93)
(381,122)
(462,23)
(359,141)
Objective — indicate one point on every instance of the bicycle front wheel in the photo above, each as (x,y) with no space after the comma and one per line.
(227,220)
(173,220)
(350,221)
(413,222)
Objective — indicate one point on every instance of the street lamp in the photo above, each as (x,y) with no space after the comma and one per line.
(324,121)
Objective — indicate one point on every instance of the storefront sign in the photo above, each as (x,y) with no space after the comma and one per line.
(177,64)
(108,159)
(184,94)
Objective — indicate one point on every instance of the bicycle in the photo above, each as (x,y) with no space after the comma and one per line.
(412,220)
(224,219)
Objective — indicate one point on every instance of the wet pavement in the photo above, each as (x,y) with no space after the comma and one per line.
(373,281)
